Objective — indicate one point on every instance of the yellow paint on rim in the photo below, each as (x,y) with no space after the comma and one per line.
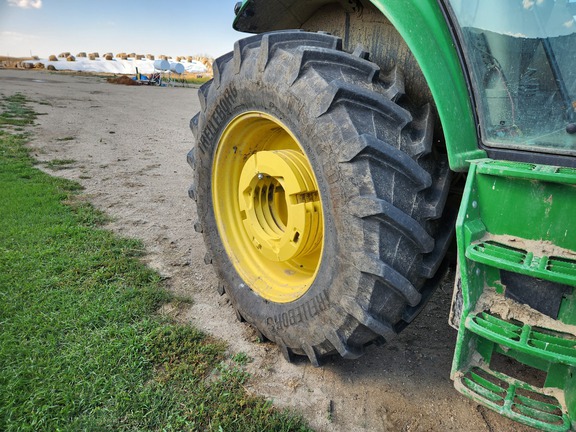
(267,207)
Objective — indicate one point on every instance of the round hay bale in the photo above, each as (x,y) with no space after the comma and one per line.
(70,58)
(64,55)
(178,58)
(108,56)
(51,67)
(81,54)
(53,58)
(39,65)
(27,65)
(35,58)
(189,59)
(109,53)
(161,64)
(139,56)
(149,56)
(95,54)
(119,55)
(123,57)
(91,57)
(163,57)
(177,68)
(133,55)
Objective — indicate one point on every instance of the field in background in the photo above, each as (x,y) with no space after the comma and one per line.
(112,65)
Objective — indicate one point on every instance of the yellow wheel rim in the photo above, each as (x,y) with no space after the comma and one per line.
(267,207)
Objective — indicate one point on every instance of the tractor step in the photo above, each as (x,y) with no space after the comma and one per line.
(515,297)
(550,346)
(505,254)
(514,399)
(503,354)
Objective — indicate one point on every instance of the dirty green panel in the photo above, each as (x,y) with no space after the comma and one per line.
(424,28)
(534,211)
(568,310)
(510,214)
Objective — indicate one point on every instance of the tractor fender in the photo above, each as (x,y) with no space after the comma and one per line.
(424,28)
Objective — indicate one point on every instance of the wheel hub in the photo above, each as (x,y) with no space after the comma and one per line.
(279,204)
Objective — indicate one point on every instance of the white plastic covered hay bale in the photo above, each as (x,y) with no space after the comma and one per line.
(162,64)
(177,68)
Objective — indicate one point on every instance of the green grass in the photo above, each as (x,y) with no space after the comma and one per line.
(81,344)
(196,80)
(15,112)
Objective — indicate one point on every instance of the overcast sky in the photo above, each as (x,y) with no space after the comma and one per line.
(183,27)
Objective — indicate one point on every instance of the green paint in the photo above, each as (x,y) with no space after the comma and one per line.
(530,207)
(423,27)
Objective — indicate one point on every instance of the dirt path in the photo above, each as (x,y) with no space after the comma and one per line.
(129,148)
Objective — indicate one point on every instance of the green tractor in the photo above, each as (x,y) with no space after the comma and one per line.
(342,148)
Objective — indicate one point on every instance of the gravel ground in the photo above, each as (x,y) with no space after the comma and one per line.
(129,148)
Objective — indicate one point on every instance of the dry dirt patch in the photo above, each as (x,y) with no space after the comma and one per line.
(128,145)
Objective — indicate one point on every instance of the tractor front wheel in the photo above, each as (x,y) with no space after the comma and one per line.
(318,193)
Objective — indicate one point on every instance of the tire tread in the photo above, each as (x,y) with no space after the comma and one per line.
(356,95)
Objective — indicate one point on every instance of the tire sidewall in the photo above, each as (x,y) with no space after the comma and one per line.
(285,323)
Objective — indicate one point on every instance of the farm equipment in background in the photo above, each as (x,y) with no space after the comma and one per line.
(340,148)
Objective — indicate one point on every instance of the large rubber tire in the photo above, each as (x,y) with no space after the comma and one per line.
(382,186)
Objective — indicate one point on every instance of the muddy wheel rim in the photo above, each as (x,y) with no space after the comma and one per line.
(267,206)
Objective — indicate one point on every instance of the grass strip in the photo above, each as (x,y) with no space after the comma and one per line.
(81,344)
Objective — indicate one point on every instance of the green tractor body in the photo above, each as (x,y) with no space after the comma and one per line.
(333,165)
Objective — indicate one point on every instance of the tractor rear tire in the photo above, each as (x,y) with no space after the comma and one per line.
(319,193)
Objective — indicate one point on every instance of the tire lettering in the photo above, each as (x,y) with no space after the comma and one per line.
(270,323)
(219,116)
(300,314)
(285,321)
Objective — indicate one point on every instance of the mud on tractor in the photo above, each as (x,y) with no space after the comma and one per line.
(343,147)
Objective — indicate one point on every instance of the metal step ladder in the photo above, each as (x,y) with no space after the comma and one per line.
(514,304)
